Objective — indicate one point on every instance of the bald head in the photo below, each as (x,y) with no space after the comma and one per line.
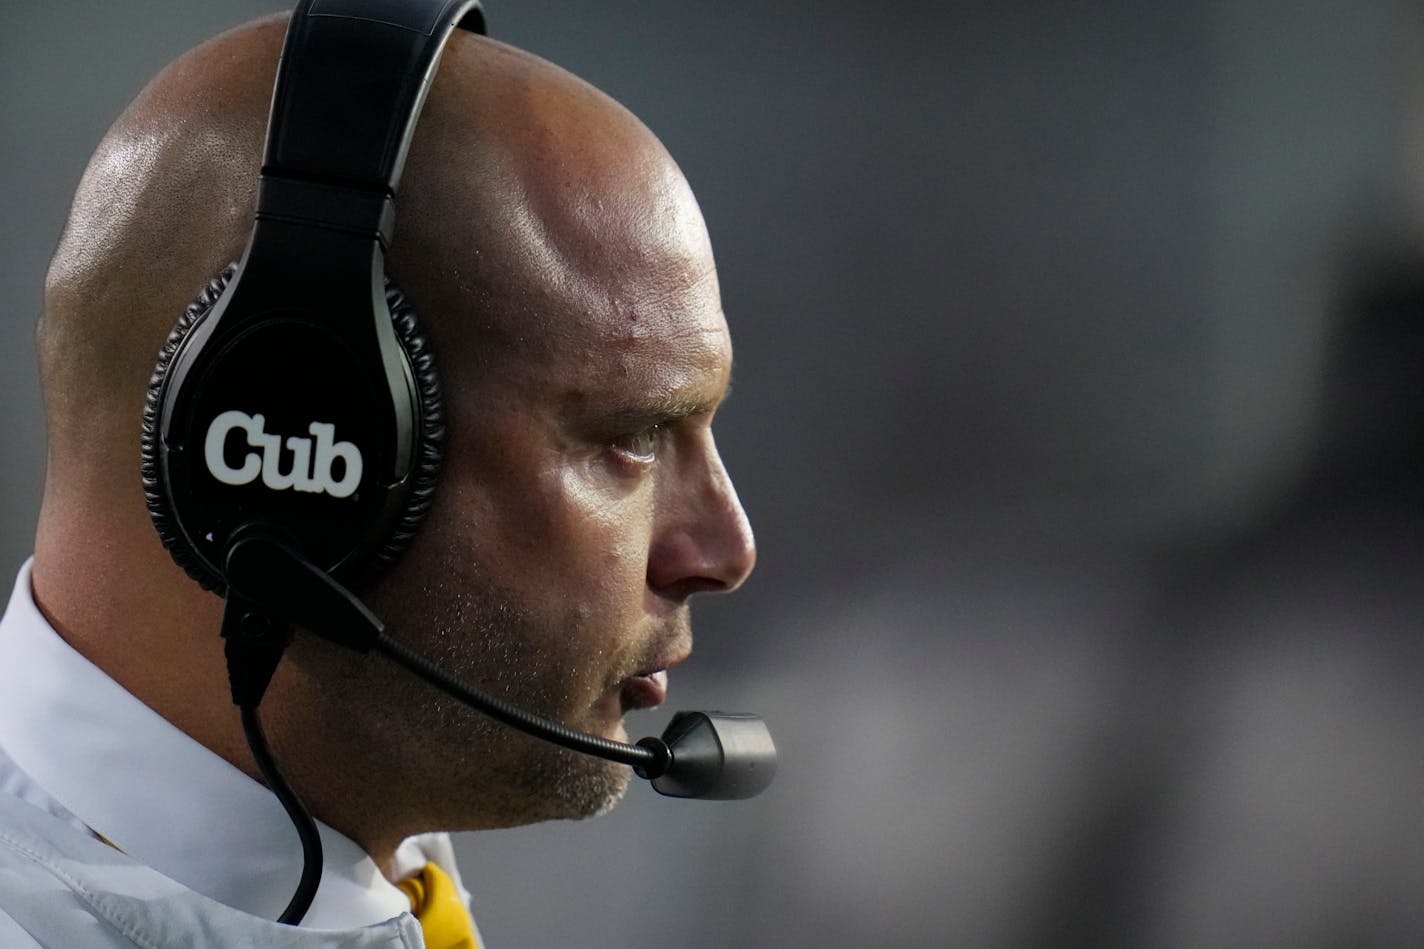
(534,215)
(531,209)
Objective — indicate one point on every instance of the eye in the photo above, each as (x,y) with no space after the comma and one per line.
(640,446)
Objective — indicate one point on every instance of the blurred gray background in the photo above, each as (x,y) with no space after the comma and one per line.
(1078,411)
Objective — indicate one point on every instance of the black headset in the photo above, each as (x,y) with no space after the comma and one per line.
(304,346)
(293,428)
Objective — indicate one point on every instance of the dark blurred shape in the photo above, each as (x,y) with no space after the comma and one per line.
(1278,798)
(1371,444)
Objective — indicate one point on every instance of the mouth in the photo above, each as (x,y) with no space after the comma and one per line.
(643,690)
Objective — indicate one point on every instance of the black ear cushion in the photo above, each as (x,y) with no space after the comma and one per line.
(430,450)
(423,477)
(153,493)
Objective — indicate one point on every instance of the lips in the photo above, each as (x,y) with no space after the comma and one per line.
(644,690)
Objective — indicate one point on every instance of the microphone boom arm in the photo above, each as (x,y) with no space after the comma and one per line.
(713,755)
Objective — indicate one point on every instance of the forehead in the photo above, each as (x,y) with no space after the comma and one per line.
(619,340)
(575,276)
(664,346)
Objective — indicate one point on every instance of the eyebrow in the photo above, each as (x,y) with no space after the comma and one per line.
(635,414)
(642,414)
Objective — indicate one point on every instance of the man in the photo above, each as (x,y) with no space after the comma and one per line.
(564,278)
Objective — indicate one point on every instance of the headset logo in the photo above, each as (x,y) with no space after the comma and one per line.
(310,471)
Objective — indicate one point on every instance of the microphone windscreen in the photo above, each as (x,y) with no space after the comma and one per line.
(717,755)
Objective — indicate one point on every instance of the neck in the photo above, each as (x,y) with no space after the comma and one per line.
(112,593)
(110,590)
(333,718)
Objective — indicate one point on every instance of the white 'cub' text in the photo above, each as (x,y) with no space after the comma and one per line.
(310,471)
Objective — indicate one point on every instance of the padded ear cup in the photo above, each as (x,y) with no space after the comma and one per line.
(430,450)
(424,472)
(154,493)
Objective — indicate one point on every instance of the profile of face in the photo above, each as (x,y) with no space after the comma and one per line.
(582,503)
(582,500)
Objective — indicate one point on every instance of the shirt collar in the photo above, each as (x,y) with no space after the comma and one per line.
(158,795)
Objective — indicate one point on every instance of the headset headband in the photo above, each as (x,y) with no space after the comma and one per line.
(351,83)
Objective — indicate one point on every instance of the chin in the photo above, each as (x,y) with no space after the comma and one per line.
(608,805)
(551,783)
(592,789)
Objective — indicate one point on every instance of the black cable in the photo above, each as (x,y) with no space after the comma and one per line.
(618,751)
(301,819)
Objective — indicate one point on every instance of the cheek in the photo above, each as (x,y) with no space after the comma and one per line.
(550,534)
(597,545)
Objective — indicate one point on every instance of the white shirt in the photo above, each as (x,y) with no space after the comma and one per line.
(77,745)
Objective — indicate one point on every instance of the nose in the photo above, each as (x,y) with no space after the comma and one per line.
(702,541)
